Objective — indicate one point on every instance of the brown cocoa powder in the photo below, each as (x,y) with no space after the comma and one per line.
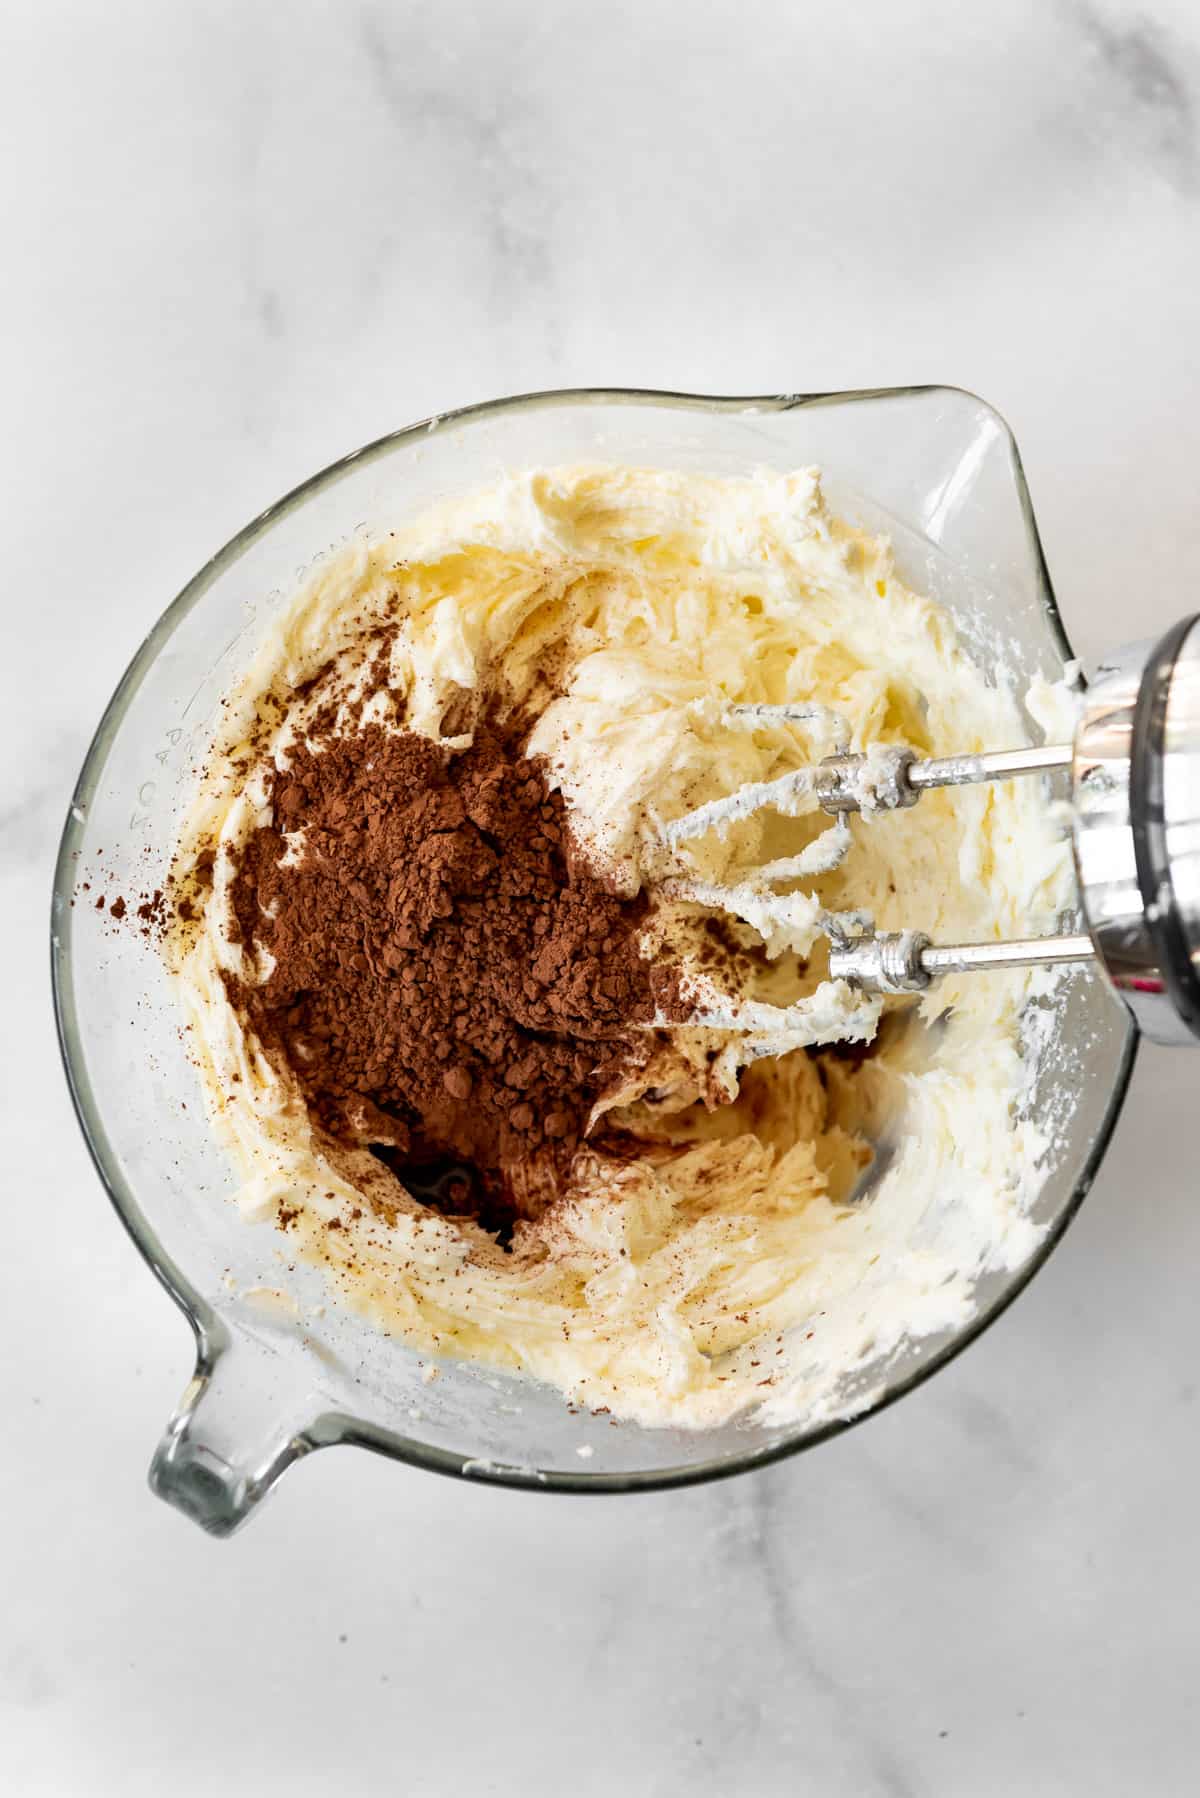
(452,985)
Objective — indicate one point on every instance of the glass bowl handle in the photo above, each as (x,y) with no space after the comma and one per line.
(239,1426)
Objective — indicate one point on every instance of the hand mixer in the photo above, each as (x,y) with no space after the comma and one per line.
(1134,767)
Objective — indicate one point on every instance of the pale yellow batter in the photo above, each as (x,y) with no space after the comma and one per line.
(732,1265)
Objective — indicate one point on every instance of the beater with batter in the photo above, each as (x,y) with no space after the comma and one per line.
(1134,764)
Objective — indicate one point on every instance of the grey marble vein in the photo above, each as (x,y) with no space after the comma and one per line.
(494,128)
(761,1528)
(1146,78)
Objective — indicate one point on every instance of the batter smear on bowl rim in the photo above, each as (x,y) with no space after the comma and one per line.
(537,1060)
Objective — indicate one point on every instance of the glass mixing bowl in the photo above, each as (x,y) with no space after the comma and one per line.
(280,1368)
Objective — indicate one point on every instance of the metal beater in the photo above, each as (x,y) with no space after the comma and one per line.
(1134,769)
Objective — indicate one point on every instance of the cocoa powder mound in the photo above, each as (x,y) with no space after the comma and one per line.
(451,985)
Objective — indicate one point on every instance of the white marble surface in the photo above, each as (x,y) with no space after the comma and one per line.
(243,238)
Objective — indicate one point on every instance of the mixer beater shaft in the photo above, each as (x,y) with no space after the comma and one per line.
(891,776)
(905,961)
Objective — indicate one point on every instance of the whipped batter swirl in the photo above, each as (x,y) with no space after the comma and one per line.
(706,1251)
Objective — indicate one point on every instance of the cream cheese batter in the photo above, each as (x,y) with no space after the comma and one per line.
(731,1263)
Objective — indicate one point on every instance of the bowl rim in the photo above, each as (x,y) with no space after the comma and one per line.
(208,1330)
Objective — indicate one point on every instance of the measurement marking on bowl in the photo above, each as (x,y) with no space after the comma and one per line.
(145,796)
(148,790)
